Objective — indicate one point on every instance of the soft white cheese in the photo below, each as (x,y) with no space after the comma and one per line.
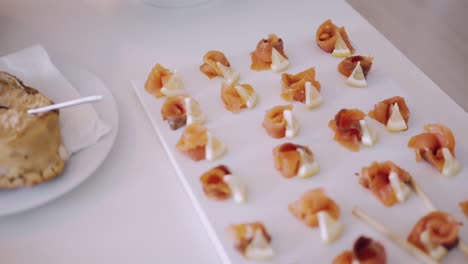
(292,127)
(451,165)
(308,166)
(313,98)
(214,148)
(400,189)
(369,137)
(356,78)
(396,121)
(330,229)
(193,111)
(249,98)
(238,188)
(278,62)
(173,86)
(436,251)
(63,153)
(259,248)
(230,76)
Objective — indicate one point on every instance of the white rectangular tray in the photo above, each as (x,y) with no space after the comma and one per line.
(249,148)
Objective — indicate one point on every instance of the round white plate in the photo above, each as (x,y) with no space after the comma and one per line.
(82,164)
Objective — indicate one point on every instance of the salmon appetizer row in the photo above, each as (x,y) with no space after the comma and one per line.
(316,209)
(220,184)
(333,39)
(163,82)
(351,130)
(216,64)
(269,55)
(198,144)
(251,240)
(295,160)
(365,251)
(301,87)
(356,68)
(387,181)
(180,110)
(436,146)
(280,122)
(435,234)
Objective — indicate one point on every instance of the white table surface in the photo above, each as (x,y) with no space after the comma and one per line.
(134,209)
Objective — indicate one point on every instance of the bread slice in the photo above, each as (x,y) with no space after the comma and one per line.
(31,149)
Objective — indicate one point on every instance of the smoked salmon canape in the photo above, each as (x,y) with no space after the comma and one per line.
(238,96)
(251,240)
(464,207)
(351,130)
(163,82)
(180,110)
(365,251)
(437,147)
(301,87)
(280,122)
(295,160)
(269,55)
(333,39)
(220,184)
(388,182)
(393,113)
(198,144)
(215,64)
(356,69)
(316,209)
(435,234)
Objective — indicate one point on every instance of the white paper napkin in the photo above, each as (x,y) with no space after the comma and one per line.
(80,125)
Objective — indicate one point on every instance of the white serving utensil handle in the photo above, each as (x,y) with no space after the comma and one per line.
(88,99)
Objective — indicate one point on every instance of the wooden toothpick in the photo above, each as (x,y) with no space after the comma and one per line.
(393,236)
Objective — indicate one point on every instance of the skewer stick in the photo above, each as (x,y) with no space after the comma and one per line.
(83,100)
(427,201)
(394,237)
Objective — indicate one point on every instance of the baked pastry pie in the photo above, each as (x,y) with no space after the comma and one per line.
(31,149)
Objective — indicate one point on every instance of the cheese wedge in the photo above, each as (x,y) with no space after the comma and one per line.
(396,121)
(259,248)
(173,86)
(249,98)
(238,188)
(313,98)
(330,229)
(369,137)
(356,78)
(278,62)
(230,76)
(308,167)
(292,126)
(214,148)
(451,165)
(436,251)
(400,189)
(193,111)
